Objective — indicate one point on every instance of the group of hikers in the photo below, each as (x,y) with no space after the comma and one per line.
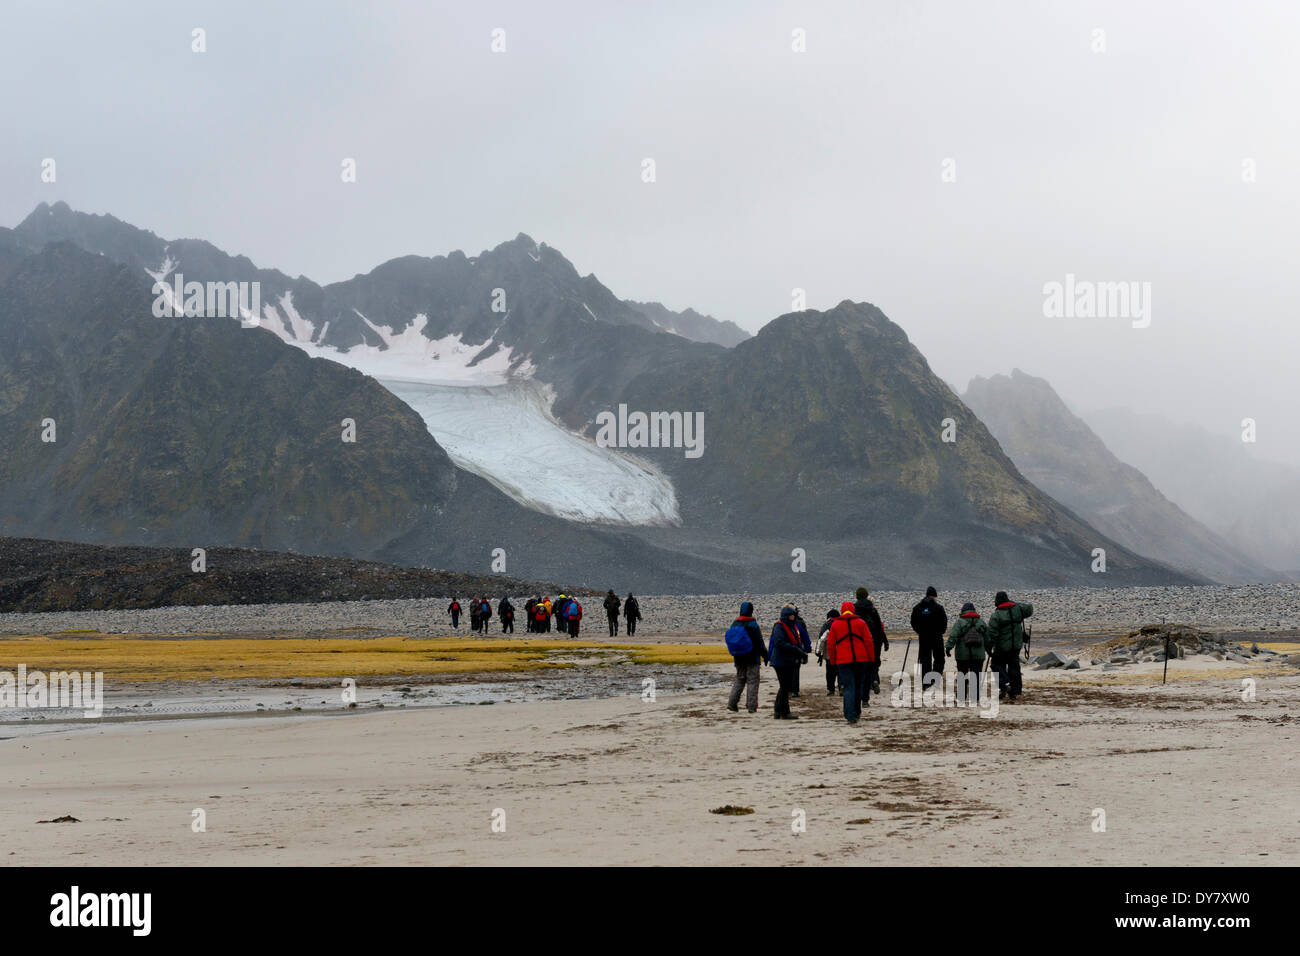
(539,611)
(853,638)
(480,614)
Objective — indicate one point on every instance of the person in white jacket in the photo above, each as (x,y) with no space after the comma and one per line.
(820,650)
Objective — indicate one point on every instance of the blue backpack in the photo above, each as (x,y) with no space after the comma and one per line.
(738,640)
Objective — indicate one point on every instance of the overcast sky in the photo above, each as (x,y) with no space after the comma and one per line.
(775,169)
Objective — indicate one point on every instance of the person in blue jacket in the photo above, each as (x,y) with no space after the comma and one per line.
(747,669)
(785,652)
(806,641)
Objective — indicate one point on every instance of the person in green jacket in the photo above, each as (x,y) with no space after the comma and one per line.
(1006,638)
(967,641)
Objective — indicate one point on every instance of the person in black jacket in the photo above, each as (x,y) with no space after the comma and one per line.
(632,613)
(454,610)
(930,621)
(747,668)
(612,606)
(506,614)
(864,609)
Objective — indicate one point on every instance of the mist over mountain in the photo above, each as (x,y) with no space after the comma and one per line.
(821,433)
(1248,500)
(1059,453)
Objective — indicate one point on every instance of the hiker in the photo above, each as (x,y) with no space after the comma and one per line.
(864,609)
(1006,638)
(529,606)
(632,613)
(745,642)
(612,607)
(557,610)
(573,614)
(454,610)
(966,644)
(475,615)
(485,614)
(831,672)
(805,643)
(930,621)
(785,653)
(850,649)
(506,614)
(542,616)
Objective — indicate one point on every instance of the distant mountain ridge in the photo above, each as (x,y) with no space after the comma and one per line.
(1249,501)
(822,431)
(1059,453)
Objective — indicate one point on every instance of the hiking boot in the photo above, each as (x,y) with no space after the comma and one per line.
(734,710)
(830,693)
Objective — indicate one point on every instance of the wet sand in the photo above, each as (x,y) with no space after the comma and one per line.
(1187,773)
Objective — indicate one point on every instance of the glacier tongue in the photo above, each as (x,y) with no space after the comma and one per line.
(494,421)
(505,434)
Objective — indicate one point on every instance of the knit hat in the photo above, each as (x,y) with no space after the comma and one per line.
(967,607)
(862,594)
(1000,598)
(931,592)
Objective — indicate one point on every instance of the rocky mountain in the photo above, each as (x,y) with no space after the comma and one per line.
(200,433)
(692,325)
(822,432)
(1247,500)
(826,431)
(1058,452)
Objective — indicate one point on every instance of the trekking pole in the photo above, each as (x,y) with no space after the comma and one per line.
(905,653)
(1166,674)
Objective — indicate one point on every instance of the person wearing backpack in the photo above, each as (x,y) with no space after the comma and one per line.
(542,616)
(573,614)
(1006,638)
(966,643)
(864,609)
(612,607)
(454,610)
(831,672)
(557,611)
(850,649)
(745,643)
(485,614)
(785,653)
(506,613)
(631,613)
(475,615)
(930,622)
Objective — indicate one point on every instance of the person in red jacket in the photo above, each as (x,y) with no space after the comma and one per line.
(851,651)
(573,616)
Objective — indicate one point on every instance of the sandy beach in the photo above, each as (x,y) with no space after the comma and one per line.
(1186,773)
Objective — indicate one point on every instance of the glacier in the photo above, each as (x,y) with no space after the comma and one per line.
(494,420)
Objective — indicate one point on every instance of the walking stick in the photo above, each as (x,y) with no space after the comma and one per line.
(1166,674)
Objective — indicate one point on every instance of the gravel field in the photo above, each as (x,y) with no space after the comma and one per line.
(1058,611)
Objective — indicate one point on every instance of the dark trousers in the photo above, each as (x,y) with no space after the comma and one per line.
(1007,664)
(832,672)
(930,654)
(970,673)
(573,627)
(455,621)
(873,668)
(784,678)
(631,626)
(613,625)
(507,625)
(855,679)
(794,681)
